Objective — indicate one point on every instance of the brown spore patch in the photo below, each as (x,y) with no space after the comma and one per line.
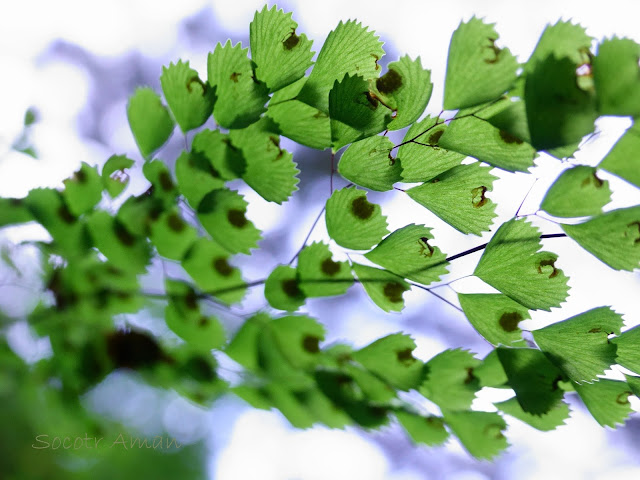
(426,250)
(389,82)
(191,300)
(393,291)
(633,226)
(65,214)
(509,321)
(623,398)
(434,138)
(361,208)
(165,181)
(236,218)
(291,41)
(291,289)
(329,267)
(80,176)
(509,138)
(311,344)
(123,234)
(477,196)
(470,376)
(406,357)
(203,321)
(234,77)
(195,79)
(548,262)
(175,223)
(221,266)
(595,330)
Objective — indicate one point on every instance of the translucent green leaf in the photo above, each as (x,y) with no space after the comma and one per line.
(126,251)
(491,373)
(149,120)
(225,159)
(171,235)
(322,409)
(14,211)
(512,264)
(458,196)
(270,170)
(580,345)
(547,422)
(616,75)
(407,252)
(240,99)
(450,382)
(405,89)
(623,160)
(355,114)
(207,263)
(280,54)
(196,177)
(189,98)
(564,39)
(479,432)
(114,177)
(243,347)
(82,191)
(222,214)
(533,377)
(559,111)
(282,289)
(289,92)
(478,138)
(607,400)
(422,159)
(368,163)
(349,49)
(287,402)
(477,70)
(49,209)
(628,353)
(319,275)
(391,359)
(274,362)
(302,123)
(184,318)
(298,337)
(613,237)
(137,213)
(163,186)
(373,387)
(577,192)
(384,288)
(423,429)
(352,221)
(495,317)
(634,384)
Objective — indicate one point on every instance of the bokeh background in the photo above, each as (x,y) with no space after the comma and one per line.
(78,61)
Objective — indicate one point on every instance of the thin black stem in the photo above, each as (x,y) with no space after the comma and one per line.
(306,239)
(427,289)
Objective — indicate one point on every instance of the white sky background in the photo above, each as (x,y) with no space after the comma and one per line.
(260,444)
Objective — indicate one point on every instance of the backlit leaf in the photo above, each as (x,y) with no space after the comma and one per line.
(172,235)
(14,211)
(607,400)
(577,192)
(196,177)
(368,163)
(301,123)
(114,178)
(225,159)
(628,353)
(282,289)
(423,429)
(149,120)
(319,275)
(384,288)
(547,422)
(623,160)
(298,337)
(479,432)
(616,75)
(563,39)
(82,191)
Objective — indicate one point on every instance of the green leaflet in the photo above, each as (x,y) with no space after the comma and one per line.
(533,377)
(406,89)
(491,373)
(352,221)
(613,237)
(560,110)
(243,347)
(270,170)
(124,250)
(319,275)
(298,337)
(149,120)
(355,114)
(354,50)
(607,400)
(564,39)
(634,384)
(422,159)
(457,196)
(301,123)
(384,288)
(207,263)
(239,98)
(184,318)
(391,359)
(623,160)
(547,422)
(114,177)
(407,252)
(196,177)
(577,192)
(579,346)
(189,98)
(280,54)
(222,214)
(171,235)
(137,213)
(495,317)
(14,211)
(82,191)
(282,289)
(479,432)
(616,75)
(627,351)
(512,264)
(450,382)
(368,163)
(473,54)
(423,429)
(225,159)
(163,186)
(372,386)
(478,138)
